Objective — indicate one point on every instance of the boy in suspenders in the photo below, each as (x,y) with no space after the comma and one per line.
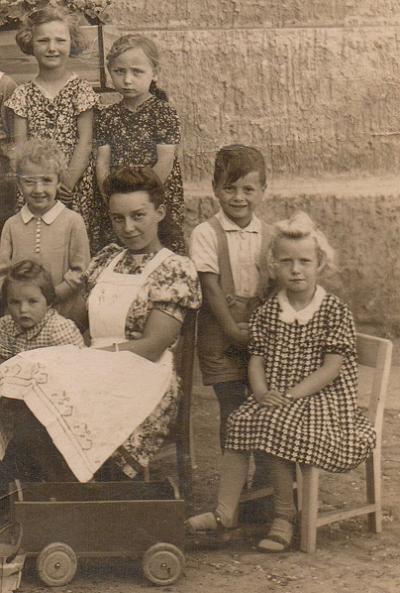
(229,251)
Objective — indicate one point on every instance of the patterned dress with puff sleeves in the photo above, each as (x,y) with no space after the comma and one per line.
(57,118)
(173,288)
(133,137)
(326,429)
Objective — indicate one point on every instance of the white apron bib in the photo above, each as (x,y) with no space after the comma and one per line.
(111,298)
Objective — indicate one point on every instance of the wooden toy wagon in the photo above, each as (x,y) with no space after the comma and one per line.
(61,522)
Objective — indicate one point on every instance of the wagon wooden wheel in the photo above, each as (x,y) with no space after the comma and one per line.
(56,564)
(163,564)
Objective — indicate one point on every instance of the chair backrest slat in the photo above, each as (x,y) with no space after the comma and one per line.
(376,353)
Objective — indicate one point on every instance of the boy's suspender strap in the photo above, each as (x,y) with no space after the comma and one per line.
(265,280)
(224,262)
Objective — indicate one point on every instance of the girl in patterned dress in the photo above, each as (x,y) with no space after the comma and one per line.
(57,104)
(143,128)
(303,376)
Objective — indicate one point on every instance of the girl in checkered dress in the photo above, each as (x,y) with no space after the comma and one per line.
(303,376)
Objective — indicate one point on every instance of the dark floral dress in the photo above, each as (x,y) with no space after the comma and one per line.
(133,137)
(57,119)
(173,288)
(326,429)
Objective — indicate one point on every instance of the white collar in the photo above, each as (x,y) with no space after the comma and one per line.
(289,315)
(48,217)
(227,224)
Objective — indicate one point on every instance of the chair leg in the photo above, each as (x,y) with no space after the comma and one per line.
(299,487)
(373,483)
(309,510)
(184,463)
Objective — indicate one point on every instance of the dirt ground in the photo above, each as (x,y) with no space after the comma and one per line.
(348,558)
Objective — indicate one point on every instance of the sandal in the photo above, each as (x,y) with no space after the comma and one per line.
(205,522)
(209,525)
(279,538)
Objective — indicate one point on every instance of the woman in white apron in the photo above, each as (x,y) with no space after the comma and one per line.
(138,294)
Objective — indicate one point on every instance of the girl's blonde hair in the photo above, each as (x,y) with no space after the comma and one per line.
(148,47)
(40,151)
(300,226)
(49,14)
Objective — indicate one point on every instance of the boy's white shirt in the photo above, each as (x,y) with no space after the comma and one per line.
(289,315)
(244,245)
(48,217)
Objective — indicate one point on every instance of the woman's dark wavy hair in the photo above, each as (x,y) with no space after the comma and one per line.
(131,178)
(48,14)
(28,271)
(148,47)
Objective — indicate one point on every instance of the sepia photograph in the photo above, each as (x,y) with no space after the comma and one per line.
(199,296)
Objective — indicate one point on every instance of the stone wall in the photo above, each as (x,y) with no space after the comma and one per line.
(314,84)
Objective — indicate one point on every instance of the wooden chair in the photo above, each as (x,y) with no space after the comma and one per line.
(180,443)
(374,353)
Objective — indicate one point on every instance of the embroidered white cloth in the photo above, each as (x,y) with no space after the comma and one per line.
(89,400)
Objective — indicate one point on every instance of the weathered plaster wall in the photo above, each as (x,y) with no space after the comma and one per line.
(314,84)
(227,13)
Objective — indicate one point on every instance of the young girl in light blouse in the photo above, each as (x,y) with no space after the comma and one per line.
(45,229)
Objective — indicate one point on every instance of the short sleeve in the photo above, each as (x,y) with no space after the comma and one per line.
(85,98)
(175,287)
(258,327)
(340,331)
(7,87)
(6,336)
(6,247)
(18,101)
(79,250)
(203,248)
(102,127)
(168,127)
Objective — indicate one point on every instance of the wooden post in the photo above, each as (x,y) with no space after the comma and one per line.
(100,40)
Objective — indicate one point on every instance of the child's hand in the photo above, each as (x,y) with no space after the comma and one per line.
(271,397)
(65,194)
(74,278)
(241,335)
(65,189)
